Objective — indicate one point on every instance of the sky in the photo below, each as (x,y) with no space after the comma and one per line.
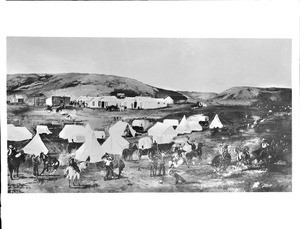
(188,64)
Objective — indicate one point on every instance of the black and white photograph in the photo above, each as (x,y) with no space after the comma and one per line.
(101,115)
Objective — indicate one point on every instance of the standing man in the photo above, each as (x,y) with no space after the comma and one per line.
(35,162)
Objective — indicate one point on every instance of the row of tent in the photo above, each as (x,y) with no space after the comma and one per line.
(160,133)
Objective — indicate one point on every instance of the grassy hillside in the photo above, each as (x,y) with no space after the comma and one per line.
(251,95)
(74,84)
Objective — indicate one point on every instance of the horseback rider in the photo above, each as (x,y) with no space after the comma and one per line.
(264,148)
(74,165)
(224,152)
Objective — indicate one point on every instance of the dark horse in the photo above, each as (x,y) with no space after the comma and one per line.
(196,152)
(127,153)
(14,162)
(49,162)
(221,161)
(116,163)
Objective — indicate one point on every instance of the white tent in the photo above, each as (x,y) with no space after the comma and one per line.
(145,143)
(91,148)
(15,133)
(171,122)
(195,126)
(162,133)
(121,129)
(35,146)
(42,130)
(183,127)
(141,123)
(198,118)
(115,144)
(216,123)
(74,133)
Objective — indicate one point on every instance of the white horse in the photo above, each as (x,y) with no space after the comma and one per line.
(72,175)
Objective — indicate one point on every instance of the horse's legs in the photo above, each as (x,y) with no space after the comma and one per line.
(120,171)
(43,170)
(69,183)
(11,173)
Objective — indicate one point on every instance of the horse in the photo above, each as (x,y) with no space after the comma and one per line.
(49,162)
(243,156)
(195,153)
(71,174)
(153,163)
(117,163)
(14,162)
(221,161)
(143,152)
(127,153)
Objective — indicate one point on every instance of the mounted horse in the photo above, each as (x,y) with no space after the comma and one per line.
(14,161)
(195,153)
(243,155)
(127,153)
(49,162)
(72,174)
(116,163)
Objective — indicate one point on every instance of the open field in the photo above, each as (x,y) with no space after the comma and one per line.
(201,176)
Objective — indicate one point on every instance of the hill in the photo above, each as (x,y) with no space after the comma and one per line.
(194,96)
(77,84)
(250,95)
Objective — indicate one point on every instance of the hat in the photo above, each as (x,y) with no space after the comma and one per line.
(10,146)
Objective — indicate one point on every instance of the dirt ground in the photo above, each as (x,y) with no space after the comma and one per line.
(200,177)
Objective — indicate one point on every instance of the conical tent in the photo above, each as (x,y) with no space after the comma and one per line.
(121,129)
(15,133)
(216,123)
(183,127)
(115,144)
(91,148)
(145,143)
(162,133)
(35,146)
(40,129)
